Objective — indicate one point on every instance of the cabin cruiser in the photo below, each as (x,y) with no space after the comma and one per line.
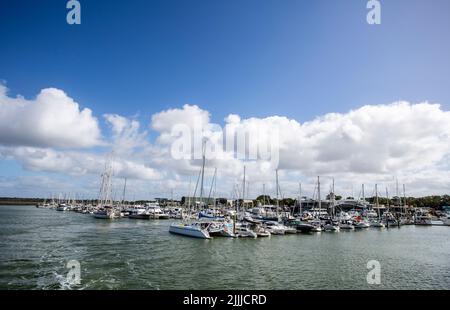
(176,213)
(317,225)
(243,230)
(220,228)
(347,225)
(300,225)
(265,213)
(210,214)
(155,212)
(228,229)
(376,223)
(331,225)
(370,214)
(139,213)
(446,220)
(344,216)
(361,223)
(289,230)
(62,207)
(275,228)
(422,217)
(194,229)
(105,212)
(260,230)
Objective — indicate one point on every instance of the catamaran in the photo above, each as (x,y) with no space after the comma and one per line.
(189,228)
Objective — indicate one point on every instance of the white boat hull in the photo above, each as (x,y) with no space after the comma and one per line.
(331,228)
(104,216)
(189,231)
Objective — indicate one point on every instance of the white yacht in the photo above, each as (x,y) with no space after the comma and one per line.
(361,223)
(139,213)
(331,226)
(261,231)
(62,207)
(275,228)
(243,231)
(106,212)
(195,229)
(155,212)
(422,217)
(376,223)
(346,225)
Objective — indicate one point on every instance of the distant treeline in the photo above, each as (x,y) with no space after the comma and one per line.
(435,202)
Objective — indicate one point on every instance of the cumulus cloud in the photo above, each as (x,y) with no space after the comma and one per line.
(76,163)
(126,134)
(371,144)
(52,119)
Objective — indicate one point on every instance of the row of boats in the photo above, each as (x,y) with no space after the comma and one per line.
(201,221)
(262,221)
(252,224)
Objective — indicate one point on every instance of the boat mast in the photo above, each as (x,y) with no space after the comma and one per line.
(399,199)
(264,194)
(243,192)
(332,200)
(213,184)
(404,199)
(202,173)
(276,176)
(124,191)
(300,197)
(318,195)
(387,200)
(189,198)
(376,201)
(363,193)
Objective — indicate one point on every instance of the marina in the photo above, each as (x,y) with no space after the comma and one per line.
(37,243)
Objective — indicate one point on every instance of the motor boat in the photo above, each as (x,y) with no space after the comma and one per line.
(346,225)
(210,214)
(243,230)
(155,212)
(331,226)
(261,231)
(106,212)
(301,226)
(62,207)
(361,224)
(317,225)
(275,228)
(377,223)
(138,213)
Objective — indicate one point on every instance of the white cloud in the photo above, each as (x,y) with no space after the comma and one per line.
(368,145)
(76,163)
(126,134)
(52,119)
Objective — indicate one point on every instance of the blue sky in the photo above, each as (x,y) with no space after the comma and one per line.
(255,58)
(290,57)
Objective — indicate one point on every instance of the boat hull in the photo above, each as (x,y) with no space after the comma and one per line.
(139,216)
(304,228)
(104,216)
(189,231)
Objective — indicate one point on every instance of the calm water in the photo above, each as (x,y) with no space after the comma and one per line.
(35,245)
